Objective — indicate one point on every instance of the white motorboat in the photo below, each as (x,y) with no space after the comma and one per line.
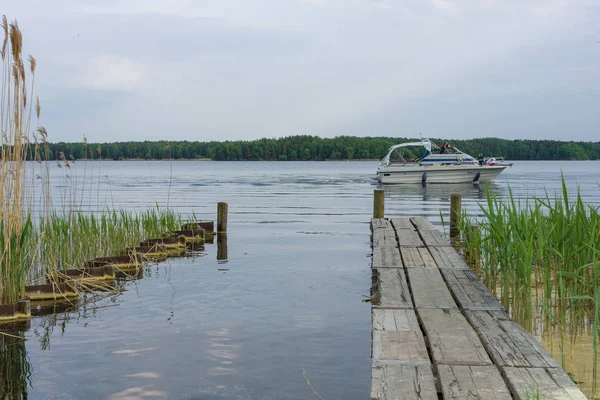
(436,165)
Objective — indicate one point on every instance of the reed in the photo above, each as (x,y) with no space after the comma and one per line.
(18,144)
(541,257)
(67,241)
(34,246)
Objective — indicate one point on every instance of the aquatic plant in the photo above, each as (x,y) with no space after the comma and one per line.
(18,145)
(68,240)
(541,257)
(36,238)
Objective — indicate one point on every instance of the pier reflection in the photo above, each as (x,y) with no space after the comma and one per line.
(222,247)
(16,371)
(15,368)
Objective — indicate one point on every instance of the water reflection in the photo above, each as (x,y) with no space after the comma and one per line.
(442,192)
(15,368)
(433,201)
(52,318)
(139,393)
(223,351)
(222,248)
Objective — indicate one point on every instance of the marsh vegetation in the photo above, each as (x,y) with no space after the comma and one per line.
(541,257)
(39,238)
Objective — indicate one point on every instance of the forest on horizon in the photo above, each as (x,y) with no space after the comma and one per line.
(314,148)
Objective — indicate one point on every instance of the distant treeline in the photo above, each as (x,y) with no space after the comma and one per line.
(313,148)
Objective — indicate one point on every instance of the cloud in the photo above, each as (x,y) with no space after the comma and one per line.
(382,5)
(111,73)
(447,6)
(313,2)
(229,69)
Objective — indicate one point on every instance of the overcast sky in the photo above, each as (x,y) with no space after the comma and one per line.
(245,69)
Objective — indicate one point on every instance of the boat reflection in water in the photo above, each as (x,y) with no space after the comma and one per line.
(443,193)
(433,201)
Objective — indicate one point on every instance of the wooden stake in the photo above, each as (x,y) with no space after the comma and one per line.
(378,204)
(455,211)
(222,218)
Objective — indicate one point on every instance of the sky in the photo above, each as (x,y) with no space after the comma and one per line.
(133,70)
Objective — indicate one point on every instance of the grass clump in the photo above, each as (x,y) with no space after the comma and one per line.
(67,241)
(541,257)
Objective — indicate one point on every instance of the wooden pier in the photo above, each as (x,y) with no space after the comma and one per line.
(438,333)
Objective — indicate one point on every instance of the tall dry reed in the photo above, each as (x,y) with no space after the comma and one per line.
(18,144)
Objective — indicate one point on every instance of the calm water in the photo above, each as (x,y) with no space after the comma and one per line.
(288,300)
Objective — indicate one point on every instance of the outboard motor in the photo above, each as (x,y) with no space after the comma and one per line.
(476,177)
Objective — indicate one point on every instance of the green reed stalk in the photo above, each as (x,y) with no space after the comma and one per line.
(541,255)
(69,240)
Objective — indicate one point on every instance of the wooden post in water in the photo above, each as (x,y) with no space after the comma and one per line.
(378,204)
(222,218)
(455,211)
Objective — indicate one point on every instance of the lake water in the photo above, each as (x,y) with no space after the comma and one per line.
(287,305)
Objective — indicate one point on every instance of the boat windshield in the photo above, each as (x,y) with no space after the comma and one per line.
(409,152)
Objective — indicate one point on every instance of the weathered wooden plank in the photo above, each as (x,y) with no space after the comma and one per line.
(507,342)
(390,288)
(386,256)
(402,381)
(429,289)
(451,339)
(395,320)
(541,383)
(377,223)
(433,238)
(402,223)
(468,289)
(423,224)
(377,237)
(386,253)
(409,237)
(397,336)
(472,382)
(417,257)
(383,235)
(447,257)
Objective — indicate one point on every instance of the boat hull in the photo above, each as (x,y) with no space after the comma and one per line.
(393,174)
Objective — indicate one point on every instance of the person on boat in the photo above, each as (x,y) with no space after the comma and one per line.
(445,148)
(481,159)
(425,153)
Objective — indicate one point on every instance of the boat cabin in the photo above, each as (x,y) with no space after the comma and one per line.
(429,154)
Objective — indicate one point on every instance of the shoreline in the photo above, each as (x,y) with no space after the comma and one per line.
(211,160)
(282,161)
